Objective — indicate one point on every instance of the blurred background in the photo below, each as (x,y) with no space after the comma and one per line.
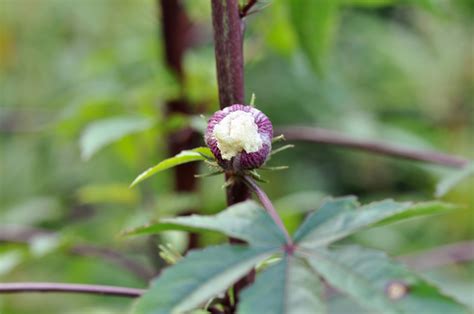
(84,108)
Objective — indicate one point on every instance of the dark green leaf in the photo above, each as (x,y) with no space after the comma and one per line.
(378,283)
(329,209)
(246,221)
(200,276)
(200,153)
(338,223)
(290,286)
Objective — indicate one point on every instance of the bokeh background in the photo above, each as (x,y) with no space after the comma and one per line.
(83,87)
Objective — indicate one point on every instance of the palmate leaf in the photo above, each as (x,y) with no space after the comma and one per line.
(247,221)
(200,153)
(338,219)
(198,277)
(378,283)
(290,286)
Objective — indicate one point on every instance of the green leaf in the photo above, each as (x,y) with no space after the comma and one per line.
(378,283)
(419,209)
(247,221)
(290,286)
(200,153)
(103,132)
(314,23)
(445,185)
(200,276)
(335,221)
(329,209)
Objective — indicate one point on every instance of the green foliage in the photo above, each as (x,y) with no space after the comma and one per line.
(68,69)
(198,277)
(200,153)
(290,285)
(378,283)
(340,218)
(246,221)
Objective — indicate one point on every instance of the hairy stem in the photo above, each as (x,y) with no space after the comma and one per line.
(228,41)
(228,45)
(323,136)
(21,287)
(262,196)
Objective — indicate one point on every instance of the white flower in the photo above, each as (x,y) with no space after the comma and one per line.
(237,132)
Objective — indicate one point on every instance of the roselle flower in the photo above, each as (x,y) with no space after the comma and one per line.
(240,137)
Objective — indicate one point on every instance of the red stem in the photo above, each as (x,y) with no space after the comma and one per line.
(323,136)
(228,45)
(440,256)
(21,287)
(262,196)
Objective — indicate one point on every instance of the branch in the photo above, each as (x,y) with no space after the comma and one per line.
(440,256)
(323,136)
(262,196)
(21,287)
(115,257)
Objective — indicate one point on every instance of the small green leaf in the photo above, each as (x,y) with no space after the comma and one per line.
(290,286)
(445,185)
(378,283)
(314,23)
(200,153)
(103,132)
(246,221)
(200,276)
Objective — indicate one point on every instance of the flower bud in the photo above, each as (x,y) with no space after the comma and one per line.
(240,137)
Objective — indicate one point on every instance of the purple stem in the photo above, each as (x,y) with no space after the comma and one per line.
(323,136)
(21,287)
(262,196)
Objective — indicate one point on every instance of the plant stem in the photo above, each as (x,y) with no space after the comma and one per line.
(440,256)
(228,41)
(21,287)
(262,196)
(323,136)
(228,45)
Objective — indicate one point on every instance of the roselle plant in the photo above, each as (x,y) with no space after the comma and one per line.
(293,271)
(261,267)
